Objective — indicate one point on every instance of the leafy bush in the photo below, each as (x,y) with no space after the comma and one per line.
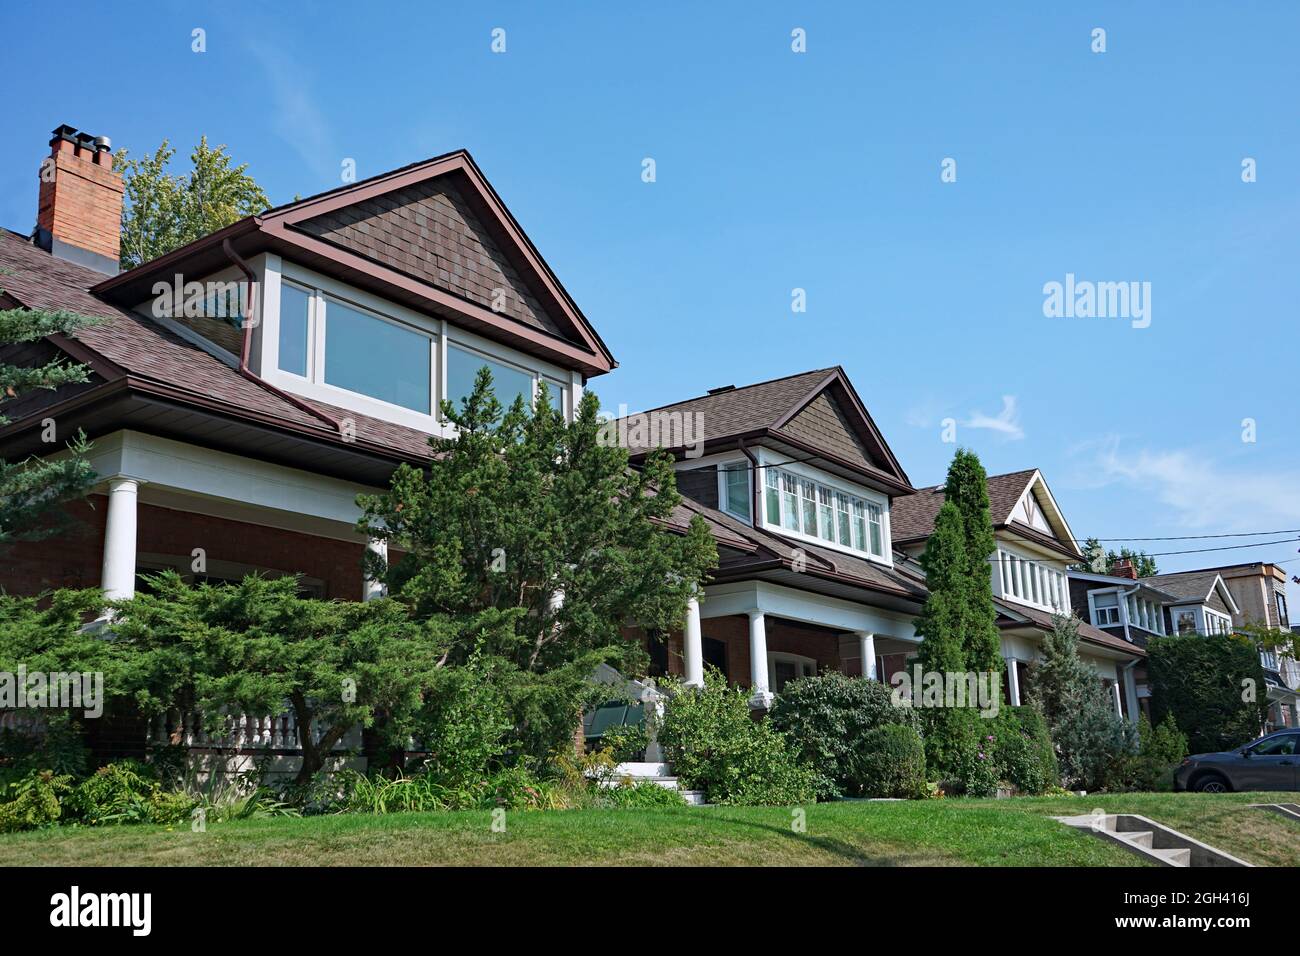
(891,761)
(115,793)
(626,742)
(1024,756)
(715,746)
(1160,751)
(1198,678)
(639,796)
(34,801)
(58,747)
(825,718)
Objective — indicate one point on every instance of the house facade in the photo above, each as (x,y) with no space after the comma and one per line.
(245,388)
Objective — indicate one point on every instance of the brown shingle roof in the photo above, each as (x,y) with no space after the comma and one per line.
(1192,585)
(145,350)
(911,517)
(1088,633)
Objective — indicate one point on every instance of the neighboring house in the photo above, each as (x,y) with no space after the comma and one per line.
(818,531)
(247,443)
(1252,593)
(1035,546)
(1203,601)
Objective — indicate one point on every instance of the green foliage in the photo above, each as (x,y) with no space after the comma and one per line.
(891,762)
(1022,747)
(824,719)
(164,211)
(1160,751)
(33,801)
(715,745)
(58,746)
(638,796)
(1101,561)
(465,724)
(1093,743)
(957,624)
(1212,684)
(627,742)
(512,788)
(253,646)
(128,792)
(32,491)
(515,511)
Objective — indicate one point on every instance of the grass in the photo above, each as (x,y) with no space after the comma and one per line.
(1015,832)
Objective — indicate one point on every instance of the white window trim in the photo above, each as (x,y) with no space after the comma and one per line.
(1015,571)
(722,468)
(797,659)
(1094,611)
(438,331)
(767,459)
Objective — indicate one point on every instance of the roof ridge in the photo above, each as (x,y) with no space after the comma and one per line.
(739,388)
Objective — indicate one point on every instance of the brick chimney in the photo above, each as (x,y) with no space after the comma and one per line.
(80,212)
(1123,568)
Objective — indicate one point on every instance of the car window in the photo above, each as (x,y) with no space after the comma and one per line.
(1275,746)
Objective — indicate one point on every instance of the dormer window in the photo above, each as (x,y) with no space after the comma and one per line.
(508,382)
(734,491)
(375,357)
(806,507)
(1105,610)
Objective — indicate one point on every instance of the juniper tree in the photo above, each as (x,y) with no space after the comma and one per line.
(967,489)
(523,519)
(32,491)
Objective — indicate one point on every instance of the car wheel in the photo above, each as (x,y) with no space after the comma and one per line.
(1212,783)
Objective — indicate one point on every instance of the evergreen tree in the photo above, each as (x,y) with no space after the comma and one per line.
(1092,741)
(525,519)
(967,489)
(31,491)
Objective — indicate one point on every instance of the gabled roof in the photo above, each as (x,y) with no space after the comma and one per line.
(1115,581)
(434,236)
(911,518)
(1012,615)
(1188,586)
(816,414)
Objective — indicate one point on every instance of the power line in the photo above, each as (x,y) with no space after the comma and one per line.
(1196,537)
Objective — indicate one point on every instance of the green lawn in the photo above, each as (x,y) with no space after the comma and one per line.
(1015,832)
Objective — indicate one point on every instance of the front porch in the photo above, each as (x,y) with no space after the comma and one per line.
(761,635)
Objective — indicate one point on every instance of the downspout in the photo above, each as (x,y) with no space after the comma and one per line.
(758,485)
(247,347)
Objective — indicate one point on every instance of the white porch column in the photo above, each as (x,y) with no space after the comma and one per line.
(118,574)
(1013,682)
(1130,692)
(762,695)
(867,646)
(693,645)
(372,589)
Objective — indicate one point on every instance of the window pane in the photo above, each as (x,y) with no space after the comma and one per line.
(738,490)
(859,524)
(1105,600)
(508,383)
(877,531)
(842,513)
(294,303)
(808,501)
(558,395)
(772,481)
(789,502)
(376,358)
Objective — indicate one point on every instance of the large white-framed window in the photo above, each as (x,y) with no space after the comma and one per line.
(1032,581)
(327,341)
(804,504)
(783,668)
(1216,623)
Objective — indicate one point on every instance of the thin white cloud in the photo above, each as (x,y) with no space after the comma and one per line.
(1006,422)
(1201,492)
(294,113)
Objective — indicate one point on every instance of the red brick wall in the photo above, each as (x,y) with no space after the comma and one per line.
(81,203)
(74,560)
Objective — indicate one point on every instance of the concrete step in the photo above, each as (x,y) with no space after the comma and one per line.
(1150,840)
(1140,838)
(1174,856)
(694,798)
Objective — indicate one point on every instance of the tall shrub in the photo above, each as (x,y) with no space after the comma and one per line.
(714,745)
(825,719)
(1212,685)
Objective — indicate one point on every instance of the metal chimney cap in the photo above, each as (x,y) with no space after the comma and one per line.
(103,142)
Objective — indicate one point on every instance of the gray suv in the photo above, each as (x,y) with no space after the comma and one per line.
(1270,763)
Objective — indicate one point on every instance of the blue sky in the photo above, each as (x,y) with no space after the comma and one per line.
(821,171)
